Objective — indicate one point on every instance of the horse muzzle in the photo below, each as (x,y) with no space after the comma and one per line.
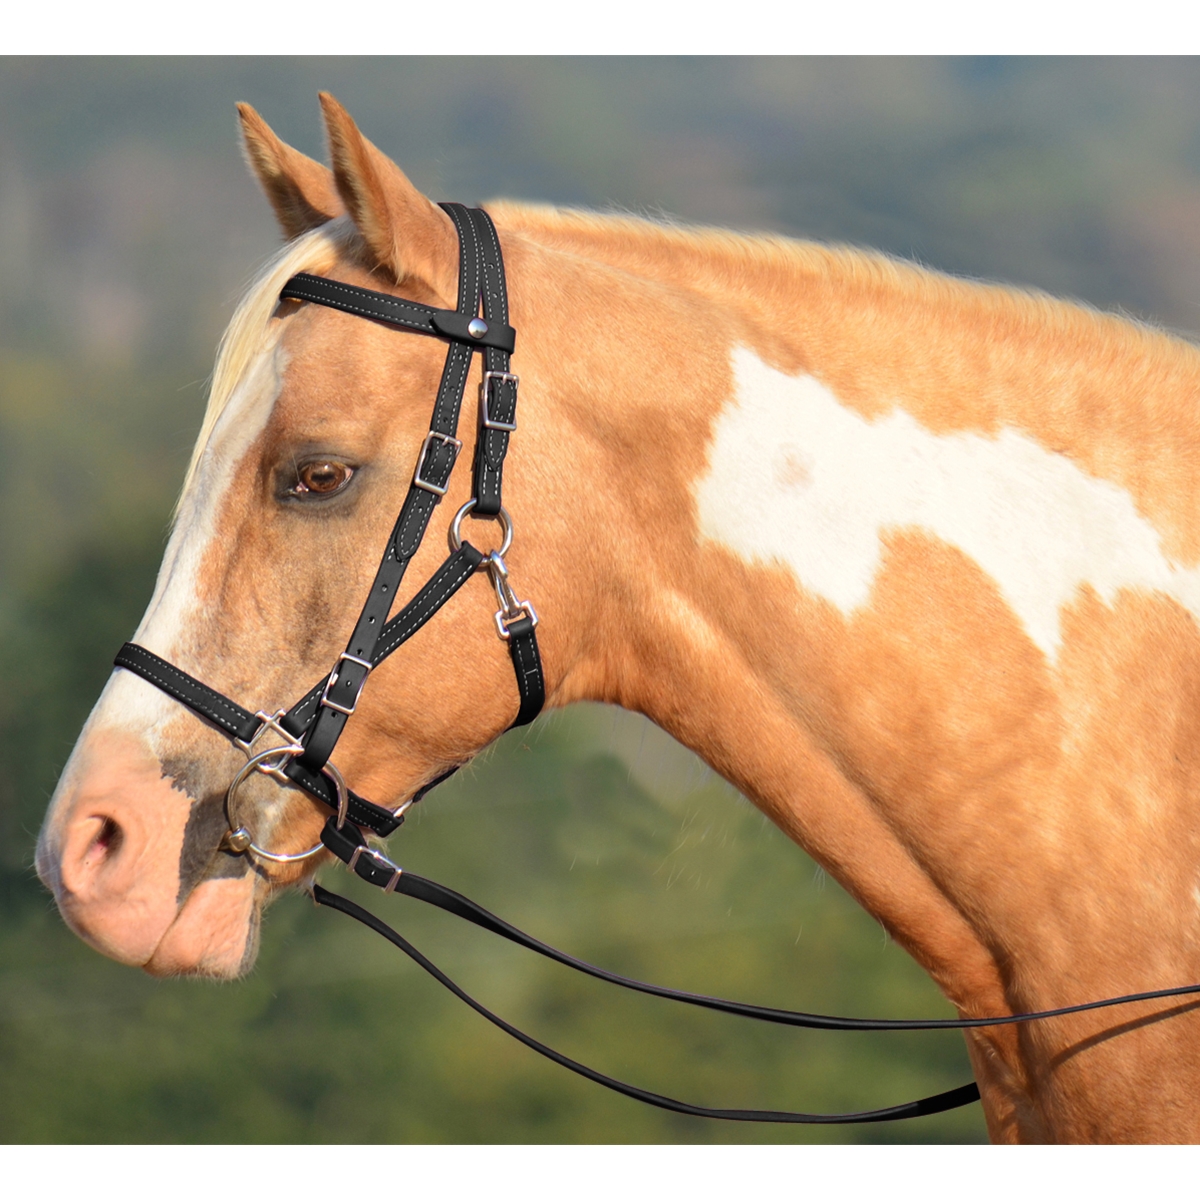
(110,851)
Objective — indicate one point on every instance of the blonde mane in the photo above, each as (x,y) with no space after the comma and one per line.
(755,266)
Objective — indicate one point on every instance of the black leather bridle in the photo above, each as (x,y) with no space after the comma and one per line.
(310,728)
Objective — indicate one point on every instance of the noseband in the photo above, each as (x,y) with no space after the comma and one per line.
(308,732)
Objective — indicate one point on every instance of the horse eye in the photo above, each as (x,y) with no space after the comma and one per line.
(321,477)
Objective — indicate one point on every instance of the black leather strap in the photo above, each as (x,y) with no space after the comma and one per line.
(406,314)
(955,1098)
(431,476)
(381,821)
(527,663)
(498,387)
(374,867)
(380,871)
(443,584)
(206,702)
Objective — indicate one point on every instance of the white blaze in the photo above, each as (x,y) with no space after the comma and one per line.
(798,479)
(127,700)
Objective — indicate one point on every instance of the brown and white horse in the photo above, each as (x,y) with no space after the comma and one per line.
(913,562)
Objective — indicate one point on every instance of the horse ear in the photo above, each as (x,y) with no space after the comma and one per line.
(406,233)
(301,191)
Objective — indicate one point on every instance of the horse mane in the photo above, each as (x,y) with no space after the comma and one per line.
(723,250)
(721,262)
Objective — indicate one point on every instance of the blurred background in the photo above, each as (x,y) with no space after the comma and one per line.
(128,226)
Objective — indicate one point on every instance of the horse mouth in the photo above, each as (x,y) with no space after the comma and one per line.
(215,933)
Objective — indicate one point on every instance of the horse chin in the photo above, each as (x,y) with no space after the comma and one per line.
(215,933)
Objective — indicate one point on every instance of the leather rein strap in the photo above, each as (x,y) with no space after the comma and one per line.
(315,722)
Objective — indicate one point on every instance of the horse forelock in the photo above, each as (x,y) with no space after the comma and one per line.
(249,332)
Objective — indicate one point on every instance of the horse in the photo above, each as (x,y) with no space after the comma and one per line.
(912,561)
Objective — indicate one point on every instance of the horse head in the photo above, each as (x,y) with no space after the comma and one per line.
(313,424)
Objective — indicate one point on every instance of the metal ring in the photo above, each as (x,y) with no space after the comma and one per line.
(506,527)
(245,844)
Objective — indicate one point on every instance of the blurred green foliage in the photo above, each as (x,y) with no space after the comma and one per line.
(127,225)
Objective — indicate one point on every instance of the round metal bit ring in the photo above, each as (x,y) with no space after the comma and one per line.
(238,838)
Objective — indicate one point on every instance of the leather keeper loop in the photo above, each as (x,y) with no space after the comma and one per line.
(456,327)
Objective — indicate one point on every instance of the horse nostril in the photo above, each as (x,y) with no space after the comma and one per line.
(95,846)
(107,842)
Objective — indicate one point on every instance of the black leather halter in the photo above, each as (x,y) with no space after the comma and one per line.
(311,727)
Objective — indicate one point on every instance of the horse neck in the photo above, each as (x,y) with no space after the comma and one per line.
(926,740)
(640,330)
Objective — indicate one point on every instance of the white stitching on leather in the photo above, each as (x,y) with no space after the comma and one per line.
(419,617)
(378,297)
(173,689)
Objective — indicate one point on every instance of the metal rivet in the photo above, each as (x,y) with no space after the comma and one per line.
(238,840)
(477,328)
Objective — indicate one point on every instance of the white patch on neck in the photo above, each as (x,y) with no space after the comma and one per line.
(132,703)
(835,482)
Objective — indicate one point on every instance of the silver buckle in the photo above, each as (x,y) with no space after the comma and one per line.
(332,681)
(431,437)
(380,860)
(485,417)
